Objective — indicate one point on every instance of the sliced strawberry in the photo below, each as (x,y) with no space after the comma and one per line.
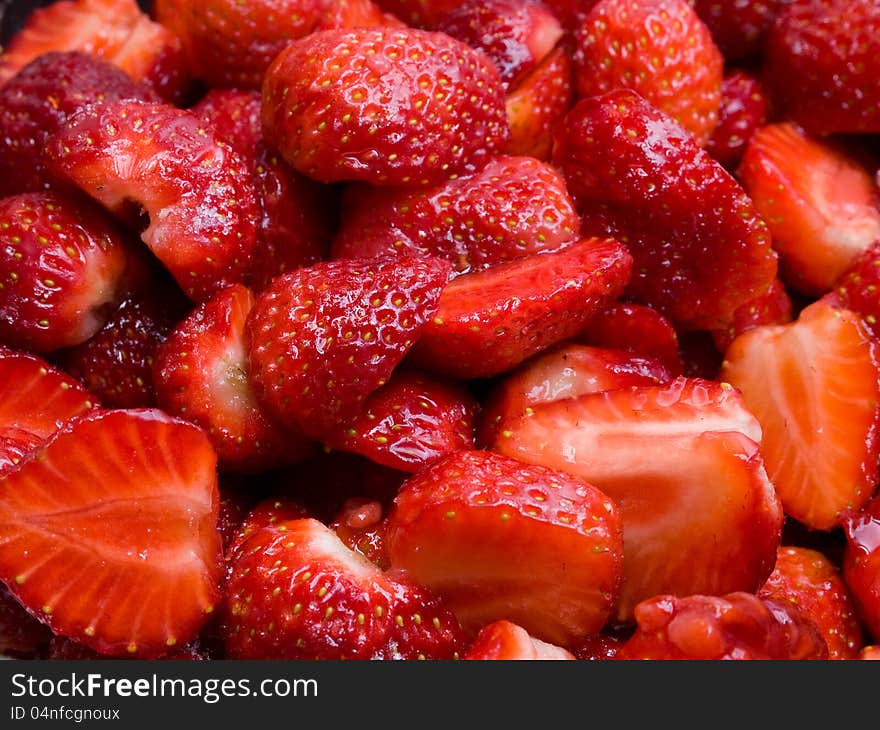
(21,635)
(564,372)
(820,203)
(743,110)
(512,208)
(735,626)
(739,28)
(682,463)
(861,564)
(813,385)
(773,307)
(66,650)
(195,190)
(270,512)
(296,592)
(360,526)
(505,641)
(808,581)
(15,444)
(699,247)
(490,321)
(859,289)
(107,487)
(322,338)
(503,540)
(384,106)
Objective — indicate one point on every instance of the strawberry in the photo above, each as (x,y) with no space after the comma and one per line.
(410,421)
(859,289)
(699,247)
(659,48)
(296,592)
(21,635)
(201,375)
(384,106)
(106,487)
(512,208)
(735,626)
(202,218)
(571,13)
(807,580)
(236,502)
(419,13)
(15,444)
(743,110)
(739,27)
(269,512)
(813,385)
(861,564)
(564,372)
(490,321)
(599,647)
(360,526)
(505,641)
(773,307)
(681,461)
(870,653)
(63,268)
(66,650)
(499,539)
(231,44)
(823,64)
(820,203)
(322,338)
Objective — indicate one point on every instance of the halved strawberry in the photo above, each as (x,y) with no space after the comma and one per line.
(499,539)
(505,641)
(820,203)
(361,527)
(681,461)
(492,320)
(859,289)
(269,512)
(861,564)
(773,307)
(21,635)
(813,385)
(108,487)
(743,110)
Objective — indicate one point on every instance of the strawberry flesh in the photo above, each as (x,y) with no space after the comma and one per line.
(504,641)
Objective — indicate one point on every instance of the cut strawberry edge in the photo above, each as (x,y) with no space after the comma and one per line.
(503,640)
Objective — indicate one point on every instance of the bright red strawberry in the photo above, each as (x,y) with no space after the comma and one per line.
(21,635)
(201,375)
(739,27)
(699,246)
(15,444)
(861,564)
(500,539)
(384,106)
(773,307)
(512,208)
(296,592)
(820,203)
(504,641)
(410,421)
(659,48)
(490,321)
(743,110)
(323,338)
(360,526)
(194,190)
(823,64)
(63,269)
(807,580)
(107,487)
(564,372)
(813,385)
(270,512)
(735,626)
(859,289)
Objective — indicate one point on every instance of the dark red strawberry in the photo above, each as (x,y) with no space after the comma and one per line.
(859,289)
(743,110)
(861,564)
(735,626)
(571,13)
(599,647)
(739,27)
(503,540)
(384,106)
(361,527)
(659,48)
(21,635)
(504,641)
(419,13)
(773,307)
(699,247)
(107,487)
(512,208)
(490,321)
(322,338)
(194,190)
(66,650)
(699,355)
(269,512)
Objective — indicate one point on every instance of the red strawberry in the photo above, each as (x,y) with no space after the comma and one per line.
(599,647)
(859,289)
(512,208)
(15,444)
(296,592)
(699,247)
(813,385)
(270,512)
(808,581)
(773,307)
(820,203)
(66,650)
(384,106)
(735,626)
(505,641)
(322,338)
(419,13)
(21,635)
(108,487)
(571,13)
(699,355)
(503,540)
(823,64)
(195,191)
(490,321)
(659,48)
(236,501)
(201,375)
(743,110)
(870,652)
(63,268)
(360,526)
(682,463)
(739,27)
(861,564)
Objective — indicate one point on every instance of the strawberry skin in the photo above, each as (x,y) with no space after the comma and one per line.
(861,565)
(774,307)
(739,27)
(106,487)
(492,320)
(859,289)
(499,539)
(504,641)
(743,110)
(384,106)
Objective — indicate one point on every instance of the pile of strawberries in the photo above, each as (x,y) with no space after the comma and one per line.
(394,329)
